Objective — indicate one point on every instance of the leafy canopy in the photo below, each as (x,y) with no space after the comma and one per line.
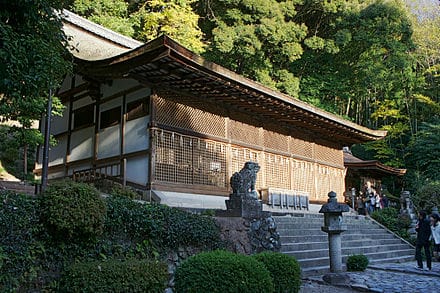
(146,20)
(258,39)
(33,57)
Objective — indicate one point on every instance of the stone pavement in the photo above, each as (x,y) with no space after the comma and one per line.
(384,278)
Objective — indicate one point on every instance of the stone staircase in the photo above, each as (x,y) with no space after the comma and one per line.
(18,187)
(301,237)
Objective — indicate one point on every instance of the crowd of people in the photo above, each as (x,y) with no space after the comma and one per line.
(370,199)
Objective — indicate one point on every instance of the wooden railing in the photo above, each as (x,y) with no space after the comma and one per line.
(110,171)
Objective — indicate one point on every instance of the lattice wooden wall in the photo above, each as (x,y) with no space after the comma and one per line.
(182,116)
(189,160)
(196,161)
(328,154)
(241,132)
(193,160)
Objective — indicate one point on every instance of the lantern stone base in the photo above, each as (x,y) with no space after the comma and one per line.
(337,279)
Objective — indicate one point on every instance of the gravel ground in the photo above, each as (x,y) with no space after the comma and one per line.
(312,287)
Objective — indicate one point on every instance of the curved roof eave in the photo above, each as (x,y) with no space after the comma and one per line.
(138,63)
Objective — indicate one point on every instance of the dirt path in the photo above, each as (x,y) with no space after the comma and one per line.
(5,176)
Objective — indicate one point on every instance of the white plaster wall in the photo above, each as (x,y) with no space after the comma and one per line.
(57,153)
(137,170)
(82,102)
(136,135)
(54,175)
(82,144)
(137,95)
(117,86)
(60,124)
(110,104)
(109,142)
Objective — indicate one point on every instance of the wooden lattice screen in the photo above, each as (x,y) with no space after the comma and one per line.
(197,161)
(189,160)
(286,162)
(186,117)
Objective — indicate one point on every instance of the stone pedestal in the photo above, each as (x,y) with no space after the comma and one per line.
(334,244)
(243,202)
(333,225)
(245,208)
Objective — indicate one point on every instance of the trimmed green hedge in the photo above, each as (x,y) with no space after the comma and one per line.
(73,211)
(115,276)
(222,271)
(357,262)
(70,223)
(20,248)
(284,270)
(166,227)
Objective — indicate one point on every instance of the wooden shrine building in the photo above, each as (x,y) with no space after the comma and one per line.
(359,172)
(162,118)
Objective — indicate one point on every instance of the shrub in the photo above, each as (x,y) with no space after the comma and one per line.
(167,227)
(73,211)
(115,276)
(284,270)
(120,191)
(358,262)
(222,271)
(19,245)
(390,218)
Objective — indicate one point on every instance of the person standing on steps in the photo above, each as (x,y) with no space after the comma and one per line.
(423,229)
(435,235)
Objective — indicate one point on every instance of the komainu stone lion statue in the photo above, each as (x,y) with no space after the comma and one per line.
(243,182)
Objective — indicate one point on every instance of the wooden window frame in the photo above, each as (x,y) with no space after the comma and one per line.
(110,117)
(137,109)
(83,117)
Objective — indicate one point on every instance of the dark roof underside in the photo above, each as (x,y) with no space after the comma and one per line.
(373,166)
(171,69)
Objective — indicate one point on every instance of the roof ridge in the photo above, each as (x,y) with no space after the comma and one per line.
(99,30)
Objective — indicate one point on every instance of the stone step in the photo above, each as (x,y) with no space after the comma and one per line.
(374,251)
(317,231)
(322,259)
(307,271)
(17,187)
(310,245)
(350,226)
(320,236)
(301,237)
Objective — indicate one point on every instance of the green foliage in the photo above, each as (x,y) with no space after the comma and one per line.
(423,152)
(284,270)
(427,196)
(115,276)
(166,227)
(32,57)
(122,191)
(20,248)
(109,13)
(11,149)
(73,215)
(258,39)
(222,271)
(146,20)
(390,218)
(358,262)
(73,211)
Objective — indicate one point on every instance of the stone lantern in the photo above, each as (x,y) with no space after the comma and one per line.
(334,226)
